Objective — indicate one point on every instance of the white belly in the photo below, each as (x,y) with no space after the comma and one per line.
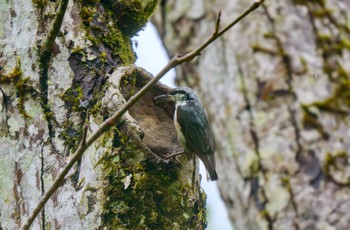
(180,136)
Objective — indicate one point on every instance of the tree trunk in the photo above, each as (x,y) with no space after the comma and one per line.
(58,78)
(276,88)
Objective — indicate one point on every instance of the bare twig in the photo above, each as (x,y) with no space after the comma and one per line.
(175,61)
(83,139)
(217,24)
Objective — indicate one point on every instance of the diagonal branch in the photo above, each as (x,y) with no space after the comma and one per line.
(106,125)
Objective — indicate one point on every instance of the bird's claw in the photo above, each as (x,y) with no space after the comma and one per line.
(172,156)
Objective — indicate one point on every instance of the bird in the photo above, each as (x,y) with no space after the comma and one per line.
(192,126)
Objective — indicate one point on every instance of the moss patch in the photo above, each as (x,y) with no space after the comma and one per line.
(334,167)
(23,85)
(113,23)
(145,195)
(131,16)
(339,102)
(119,44)
(13,75)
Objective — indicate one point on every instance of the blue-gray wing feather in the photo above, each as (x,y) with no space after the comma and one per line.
(195,128)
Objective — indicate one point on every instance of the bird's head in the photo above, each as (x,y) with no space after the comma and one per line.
(179,94)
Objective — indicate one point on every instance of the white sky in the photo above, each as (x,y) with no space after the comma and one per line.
(152,57)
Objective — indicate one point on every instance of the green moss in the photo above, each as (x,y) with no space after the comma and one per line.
(131,16)
(87,14)
(344,44)
(336,103)
(322,13)
(14,75)
(103,56)
(23,85)
(339,102)
(332,163)
(72,98)
(286,183)
(71,134)
(303,2)
(342,76)
(304,70)
(332,45)
(120,44)
(101,29)
(264,213)
(142,195)
(128,85)
(310,121)
(262,49)
(96,109)
(40,3)
(116,24)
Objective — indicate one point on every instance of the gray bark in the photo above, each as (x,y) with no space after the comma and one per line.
(276,89)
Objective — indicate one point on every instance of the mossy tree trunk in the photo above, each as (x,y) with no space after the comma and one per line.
(277,91)
(48,94)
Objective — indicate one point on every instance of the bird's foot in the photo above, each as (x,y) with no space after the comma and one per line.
(174,155)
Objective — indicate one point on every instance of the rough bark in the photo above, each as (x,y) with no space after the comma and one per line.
(277,92)
(47,96)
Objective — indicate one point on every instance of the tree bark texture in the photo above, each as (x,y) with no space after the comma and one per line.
(49,93)
(276,88)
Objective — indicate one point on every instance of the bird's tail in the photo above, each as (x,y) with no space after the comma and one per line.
(209,163)
(213,175)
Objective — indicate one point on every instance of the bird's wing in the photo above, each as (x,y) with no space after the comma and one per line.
(195,128)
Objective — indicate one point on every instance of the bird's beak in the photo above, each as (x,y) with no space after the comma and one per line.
(163,98)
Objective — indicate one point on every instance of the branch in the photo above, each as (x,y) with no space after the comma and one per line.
(45,55)
(189,56)
(56,26)
(217,24)
(106,125)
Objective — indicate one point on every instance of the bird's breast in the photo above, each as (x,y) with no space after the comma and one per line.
(180,135)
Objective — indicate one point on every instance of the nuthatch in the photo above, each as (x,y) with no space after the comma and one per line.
(192,126)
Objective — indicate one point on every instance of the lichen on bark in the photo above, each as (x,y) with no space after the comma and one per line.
(117,177)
